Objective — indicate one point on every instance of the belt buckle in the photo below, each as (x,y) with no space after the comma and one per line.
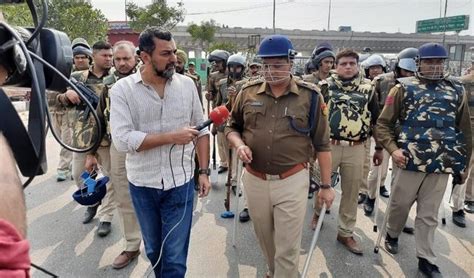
(345,143)
(272,177)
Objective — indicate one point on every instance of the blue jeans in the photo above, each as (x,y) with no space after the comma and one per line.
(158,212)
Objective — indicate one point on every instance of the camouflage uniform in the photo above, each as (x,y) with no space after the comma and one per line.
(465,192)
(433,119)
(84,130)
(353,110)
(118,195)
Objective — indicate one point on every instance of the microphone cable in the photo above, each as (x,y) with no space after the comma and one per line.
(185,203)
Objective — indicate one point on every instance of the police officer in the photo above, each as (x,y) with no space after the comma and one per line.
(353,111)
(82,54)
(218,59)
(322,59)
(83,130)
(228,89)
(404,67)
(426,128)
(275,123)
(374,66)
(462,197)
(117,191)
(255,66)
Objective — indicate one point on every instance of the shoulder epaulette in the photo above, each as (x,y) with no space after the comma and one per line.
(81,75)
(252,83)
(308,85)
(241,82)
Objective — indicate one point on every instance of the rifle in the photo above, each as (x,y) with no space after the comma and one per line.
(90,95)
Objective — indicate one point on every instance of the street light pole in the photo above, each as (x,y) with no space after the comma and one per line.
(329,15)
(444,21)
(274,8)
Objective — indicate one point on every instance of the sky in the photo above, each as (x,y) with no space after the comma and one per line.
(362,15)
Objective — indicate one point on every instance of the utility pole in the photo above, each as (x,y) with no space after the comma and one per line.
(329,15)
(274,8)
(444,21)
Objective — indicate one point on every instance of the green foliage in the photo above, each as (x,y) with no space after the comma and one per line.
(203,33)
(228,46)
(75,18)
(156,14)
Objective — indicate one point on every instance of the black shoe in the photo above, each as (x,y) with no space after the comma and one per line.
(408,230)
(104,229)
(244,215)
(430,270)
(369,206)
(458,218)
(391,244)
(90,213)
(222,169)
(469,206)
(310,195)
(384,192)
(361,198)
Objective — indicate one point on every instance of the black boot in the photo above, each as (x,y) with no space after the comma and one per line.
(369,206)
(361,199)
(429,269)
(384,192)
(104,229)
(459,219)
(244,215)
(469,206)
(90,213)
(391,244)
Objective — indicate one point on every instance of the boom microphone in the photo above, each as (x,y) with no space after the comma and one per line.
(217,116)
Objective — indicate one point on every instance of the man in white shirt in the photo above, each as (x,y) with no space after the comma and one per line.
(152,116)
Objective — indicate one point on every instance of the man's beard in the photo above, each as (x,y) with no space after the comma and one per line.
(167,73)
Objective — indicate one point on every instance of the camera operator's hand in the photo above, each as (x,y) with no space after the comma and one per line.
(72,96)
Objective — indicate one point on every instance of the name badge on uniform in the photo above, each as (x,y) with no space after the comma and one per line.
(256,103)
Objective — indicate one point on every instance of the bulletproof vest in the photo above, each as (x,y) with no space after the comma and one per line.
(84,130)
(349,116)
(383,84)
(428,132)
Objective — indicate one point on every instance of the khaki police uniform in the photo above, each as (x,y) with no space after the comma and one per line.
(276,181)
(382,85)
(426,176)
(465,192)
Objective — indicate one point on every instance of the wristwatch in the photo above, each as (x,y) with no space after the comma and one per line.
(204,171)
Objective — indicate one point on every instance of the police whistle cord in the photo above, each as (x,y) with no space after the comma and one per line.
(185,203)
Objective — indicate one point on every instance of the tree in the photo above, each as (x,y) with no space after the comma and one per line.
(17,15)
(156,14)
(203,33)
(228,46)
(75,18)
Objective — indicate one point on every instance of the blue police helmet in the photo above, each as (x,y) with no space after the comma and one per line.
(276,46)
(89,199)
(432,51)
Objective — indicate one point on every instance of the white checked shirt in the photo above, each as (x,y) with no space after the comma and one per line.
(136,110)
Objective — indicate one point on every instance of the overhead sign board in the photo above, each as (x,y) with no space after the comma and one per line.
(436,25)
